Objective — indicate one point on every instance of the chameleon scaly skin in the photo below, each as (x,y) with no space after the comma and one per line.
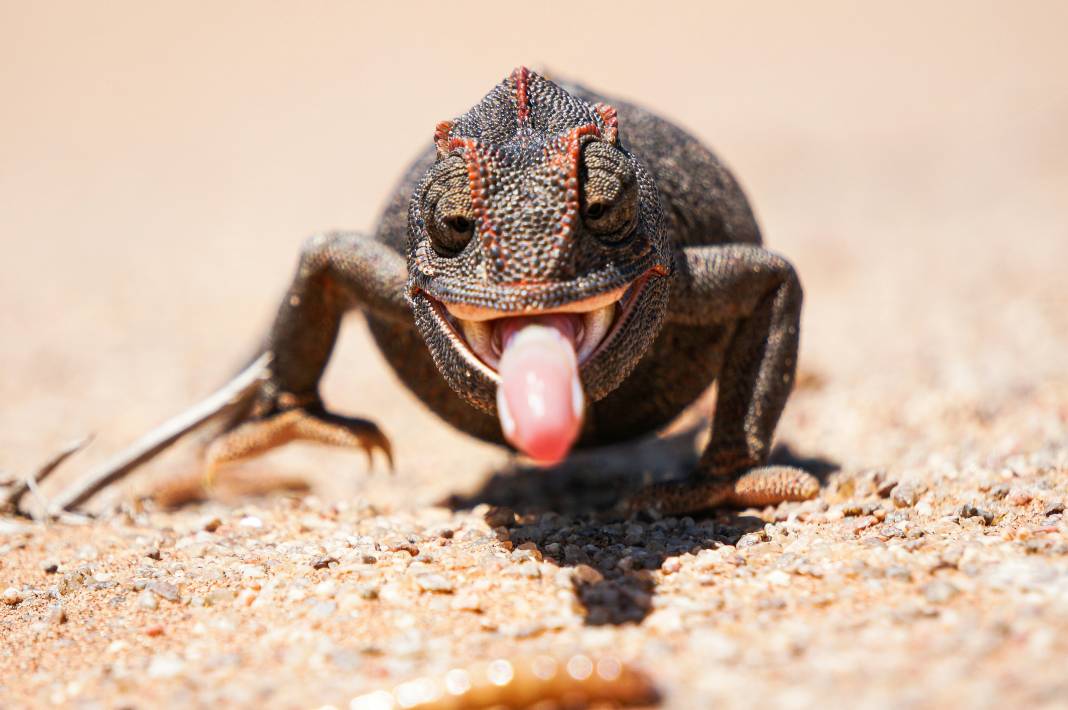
(550,199)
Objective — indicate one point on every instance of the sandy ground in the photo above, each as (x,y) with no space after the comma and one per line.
(158,172)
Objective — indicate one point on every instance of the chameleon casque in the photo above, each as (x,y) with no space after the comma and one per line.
(553,271)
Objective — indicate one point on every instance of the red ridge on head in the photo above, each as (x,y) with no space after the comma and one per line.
(477,178)
(441,137)
(567,157)
(611,121)
(521,77)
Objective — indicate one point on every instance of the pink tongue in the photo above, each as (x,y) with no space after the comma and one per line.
(540,400)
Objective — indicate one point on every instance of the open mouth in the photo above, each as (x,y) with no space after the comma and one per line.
(589,323)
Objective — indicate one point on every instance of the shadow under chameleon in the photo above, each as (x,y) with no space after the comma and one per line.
(565,512)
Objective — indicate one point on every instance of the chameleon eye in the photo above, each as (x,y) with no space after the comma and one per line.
(609,193)
(447,207)
(450,233)
(459,224)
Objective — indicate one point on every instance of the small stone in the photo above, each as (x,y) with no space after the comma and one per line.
(152,553)
(434,583)
(1054,507)
(498,517)
(939,591)
(970,511)
(74,580)
(584,574)
(164,590)
(367,591)
(368,559)
(147,600)
(50,566)
(211,525)
(57,615)
(886,487)
(1018,497)
(250,521)
(326,589)
(323,562)
(154,630)
(12,596)
(864,522)
(905,495)
(671,565)
(751,539)
(634,535)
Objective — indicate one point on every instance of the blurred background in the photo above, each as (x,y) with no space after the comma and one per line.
(160,166)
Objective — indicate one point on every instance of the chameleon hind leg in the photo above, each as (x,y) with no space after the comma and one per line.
(338,272)
(758,294)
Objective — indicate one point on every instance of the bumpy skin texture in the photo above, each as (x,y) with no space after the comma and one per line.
(539,196)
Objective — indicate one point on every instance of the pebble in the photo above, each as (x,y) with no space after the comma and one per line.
(1018,497)
(323,562)
(57,615)
(970,511)
(671,565)
(905,495)
(584,574)
(147,600)
(498,517)
(634,535)
(164,590)
(211,524)
(50,566)
(434,583)
(886,487)
(12,596)
(250,521)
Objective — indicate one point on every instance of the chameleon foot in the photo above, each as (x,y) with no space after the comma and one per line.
(257,436)
(758,487)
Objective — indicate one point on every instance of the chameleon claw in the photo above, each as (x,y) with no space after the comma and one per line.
(258,436)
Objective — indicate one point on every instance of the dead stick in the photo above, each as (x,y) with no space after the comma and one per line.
(19,488)
(162,436)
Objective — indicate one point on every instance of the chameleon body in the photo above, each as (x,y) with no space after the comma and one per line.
(552,205)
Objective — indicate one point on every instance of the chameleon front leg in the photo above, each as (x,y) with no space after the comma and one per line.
(338,272)
(757,296)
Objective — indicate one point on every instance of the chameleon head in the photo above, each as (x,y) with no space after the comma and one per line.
(537,259)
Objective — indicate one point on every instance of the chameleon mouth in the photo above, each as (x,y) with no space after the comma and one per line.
(481,333)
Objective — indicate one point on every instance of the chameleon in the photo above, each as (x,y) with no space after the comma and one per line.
(556,270)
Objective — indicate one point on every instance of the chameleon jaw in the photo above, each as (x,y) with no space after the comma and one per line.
(474,330)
